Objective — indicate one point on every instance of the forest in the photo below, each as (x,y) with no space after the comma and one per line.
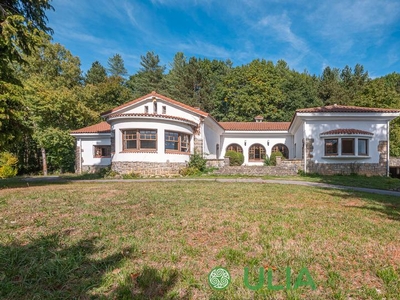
(44,94)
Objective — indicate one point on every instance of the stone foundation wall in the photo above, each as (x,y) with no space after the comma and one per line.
(216,163)
(258,170)
(394,162)
(353,167)
(93,169)
(147,168)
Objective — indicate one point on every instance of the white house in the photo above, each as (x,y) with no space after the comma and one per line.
(156,135)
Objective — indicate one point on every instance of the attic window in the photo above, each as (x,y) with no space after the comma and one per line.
(164,110)
(154,106)
(146,109)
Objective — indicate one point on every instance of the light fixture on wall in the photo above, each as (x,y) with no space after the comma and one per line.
(267,142)
(245,142)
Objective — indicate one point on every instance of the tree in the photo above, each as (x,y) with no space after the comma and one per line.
(96,74)
(51,97)
(116,66)
(22,22)
(149,77)
(330,90)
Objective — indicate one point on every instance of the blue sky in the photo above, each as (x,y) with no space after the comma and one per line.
(308,35)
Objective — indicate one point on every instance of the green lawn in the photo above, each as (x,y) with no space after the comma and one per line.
(159,240)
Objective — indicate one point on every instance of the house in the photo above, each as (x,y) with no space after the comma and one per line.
(156,135)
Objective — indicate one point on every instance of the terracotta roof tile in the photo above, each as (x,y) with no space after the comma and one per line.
(347,109)
(102,127)
(154,94)
(255,126)
(346,131)
(116,115)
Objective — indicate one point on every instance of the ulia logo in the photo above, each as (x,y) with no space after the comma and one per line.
(219,278)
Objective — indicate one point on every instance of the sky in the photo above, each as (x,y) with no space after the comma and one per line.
(308,34)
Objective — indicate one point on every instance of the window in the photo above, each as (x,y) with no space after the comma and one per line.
(139,139)
(146,109)
(256,152)
(102,151)
(362,147)
(282,149)
(164,110)
(154,107)
(234,147)
(176,141)
(348,147)
(331,147)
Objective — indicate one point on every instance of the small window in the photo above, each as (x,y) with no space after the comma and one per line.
(154,107)
(146,109)
(164,110)
(102,151)
(362,147)
(331,147)
(347,146)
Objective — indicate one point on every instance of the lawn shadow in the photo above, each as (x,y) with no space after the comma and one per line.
(383,204)
(46,268)
(150,283)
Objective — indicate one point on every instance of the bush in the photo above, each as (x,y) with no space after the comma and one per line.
(108,173)
(189,171)
(131,175)
(235,158)
(267,161)
(197,161)
(8,165)
(273,157)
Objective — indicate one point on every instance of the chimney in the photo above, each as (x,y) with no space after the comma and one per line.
(258,118)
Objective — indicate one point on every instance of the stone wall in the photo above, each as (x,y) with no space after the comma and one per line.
(290,170)
(93,169)
(394,162)
(216,163)
(78,156)
(353,167)
(147,168)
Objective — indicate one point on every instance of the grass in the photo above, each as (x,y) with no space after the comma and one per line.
(374,182)
(159,240)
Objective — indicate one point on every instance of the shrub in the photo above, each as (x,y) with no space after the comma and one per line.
(107,173)
(267,161)
(273,157)
(235,158)
(8,165)
(197,161)
(131,175)
(189,171)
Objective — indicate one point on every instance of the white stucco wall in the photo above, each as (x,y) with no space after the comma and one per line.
(268,140)
(87,144)
(161,126)
(314,128)
(212,134)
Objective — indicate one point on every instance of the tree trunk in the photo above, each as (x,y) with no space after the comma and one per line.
(44,160)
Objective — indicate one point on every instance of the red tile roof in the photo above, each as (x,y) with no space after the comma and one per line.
(255,126)
(102,127)
(154,94)
(116,115)
(346,109)
(346,131)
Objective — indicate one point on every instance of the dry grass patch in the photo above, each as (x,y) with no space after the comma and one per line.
(150,240)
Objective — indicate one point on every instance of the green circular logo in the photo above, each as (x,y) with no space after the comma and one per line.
(219,278)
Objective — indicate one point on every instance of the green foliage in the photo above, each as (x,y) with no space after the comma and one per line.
(131,175)
(267,161)
(116,66)
(197,161)
(107,173)
(273,157)
(189,171)
(96,74)
(8,165)
(235,158)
